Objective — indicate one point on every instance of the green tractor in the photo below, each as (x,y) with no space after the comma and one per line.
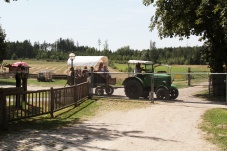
(141,84)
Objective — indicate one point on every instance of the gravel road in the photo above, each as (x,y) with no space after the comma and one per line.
(162,126)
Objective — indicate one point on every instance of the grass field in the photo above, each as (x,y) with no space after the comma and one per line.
(37,65)
(179,72)
(174,68)
(62,67)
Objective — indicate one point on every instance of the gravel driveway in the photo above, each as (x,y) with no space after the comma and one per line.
(163,126)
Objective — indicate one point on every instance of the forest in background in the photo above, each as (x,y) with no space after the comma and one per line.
(60,49)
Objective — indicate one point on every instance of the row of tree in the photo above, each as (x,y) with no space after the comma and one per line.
(59,51)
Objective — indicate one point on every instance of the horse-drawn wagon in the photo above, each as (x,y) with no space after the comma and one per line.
(94,69)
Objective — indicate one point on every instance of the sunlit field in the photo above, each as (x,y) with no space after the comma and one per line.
(179,72)
(37,65)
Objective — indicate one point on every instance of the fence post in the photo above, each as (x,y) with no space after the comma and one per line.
(75,94)
(3,115)
(88,90)
(189,76)
(52,102)
(18,85)
(226,88)
(151,95)
(91,85)
(25,85)
(209,84)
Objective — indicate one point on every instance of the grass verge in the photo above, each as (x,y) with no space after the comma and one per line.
(215,124)
(215,121)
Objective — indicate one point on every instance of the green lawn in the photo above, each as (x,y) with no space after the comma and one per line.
(121,67)
(174,68)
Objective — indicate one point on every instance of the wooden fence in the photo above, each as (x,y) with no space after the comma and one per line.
(17,104)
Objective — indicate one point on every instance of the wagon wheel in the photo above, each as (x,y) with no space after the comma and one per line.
(99,91)
(162,94)
(109,90)
(173,93)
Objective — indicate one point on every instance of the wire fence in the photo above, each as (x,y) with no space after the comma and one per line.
(213,84)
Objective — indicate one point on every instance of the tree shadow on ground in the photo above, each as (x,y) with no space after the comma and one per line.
(57,134)
(211,98)
(77,136)
(205,99)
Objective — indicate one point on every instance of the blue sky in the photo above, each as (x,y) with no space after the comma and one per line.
(120,22)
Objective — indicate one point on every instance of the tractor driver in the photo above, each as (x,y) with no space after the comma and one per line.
(138,68)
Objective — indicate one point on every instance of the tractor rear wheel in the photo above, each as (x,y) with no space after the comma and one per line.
(133,89)
(162,94)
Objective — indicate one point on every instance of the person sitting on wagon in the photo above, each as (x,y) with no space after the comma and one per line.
(101,67)
(92,69)
(71,71)
(77,76)
(85,71)
(84,74)
(70,76)
(107,75)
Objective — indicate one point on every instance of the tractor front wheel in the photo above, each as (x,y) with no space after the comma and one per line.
(173,93)
(163,94)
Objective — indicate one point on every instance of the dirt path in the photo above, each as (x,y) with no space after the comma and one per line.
(163,126)
(170,125)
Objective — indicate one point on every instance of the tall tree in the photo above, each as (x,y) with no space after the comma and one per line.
(106,45)
(2,45)
(99,43)
(205,18)
(9,1)
(153,54)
